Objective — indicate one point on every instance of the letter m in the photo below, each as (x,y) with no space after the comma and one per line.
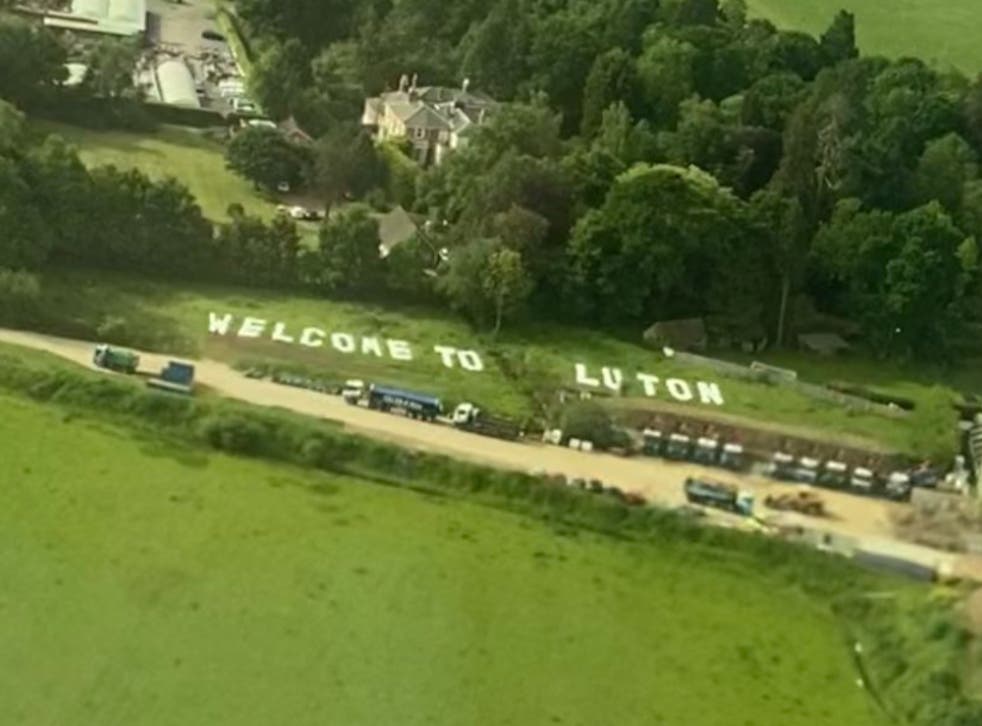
(219,325)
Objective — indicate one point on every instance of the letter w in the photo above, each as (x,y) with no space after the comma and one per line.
(219,325)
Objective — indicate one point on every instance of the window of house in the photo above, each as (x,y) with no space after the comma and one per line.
(420,133)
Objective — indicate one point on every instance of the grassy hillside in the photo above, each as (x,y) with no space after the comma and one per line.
(523,362)
(149,584)
(937,32)
(187,155)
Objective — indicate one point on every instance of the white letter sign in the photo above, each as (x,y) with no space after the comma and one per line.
(583,379)
(219,325)
(252,328)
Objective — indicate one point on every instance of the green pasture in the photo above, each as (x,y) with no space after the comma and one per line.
(187,155)
(151,584)
(938,32)
(524,367)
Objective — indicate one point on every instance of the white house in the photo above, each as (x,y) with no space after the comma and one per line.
(434,119)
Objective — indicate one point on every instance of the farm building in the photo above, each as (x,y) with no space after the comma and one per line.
(122,18)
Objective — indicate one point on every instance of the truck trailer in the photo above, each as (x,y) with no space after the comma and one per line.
(469,417)
(719,496)
(413,404)
(115,359)
(175,377)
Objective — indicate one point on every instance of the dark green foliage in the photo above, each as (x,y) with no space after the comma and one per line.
(348,258)
(589,421)
(267,158)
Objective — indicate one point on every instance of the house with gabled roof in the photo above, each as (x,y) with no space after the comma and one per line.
(435,120)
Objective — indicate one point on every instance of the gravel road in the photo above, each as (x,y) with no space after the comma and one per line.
(658,480)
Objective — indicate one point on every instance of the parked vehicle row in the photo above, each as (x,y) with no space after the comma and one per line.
(838,475)
(702,450)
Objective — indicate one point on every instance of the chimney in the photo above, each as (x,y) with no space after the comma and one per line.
(403,82)
(465,85)
(412,85)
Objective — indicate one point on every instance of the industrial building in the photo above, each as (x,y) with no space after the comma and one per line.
(120,18)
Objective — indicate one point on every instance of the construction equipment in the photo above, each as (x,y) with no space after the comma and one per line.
(719,496)
(469,417)
(802,501)
(176,377)
(115,359)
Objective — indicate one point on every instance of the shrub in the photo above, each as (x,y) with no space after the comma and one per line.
(233,433)
(589,421)
(20,294)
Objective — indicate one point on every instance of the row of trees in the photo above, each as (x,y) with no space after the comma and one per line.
(672,158)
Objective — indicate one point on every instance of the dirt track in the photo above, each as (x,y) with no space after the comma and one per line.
(658,480)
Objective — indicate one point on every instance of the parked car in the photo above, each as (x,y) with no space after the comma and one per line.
(213,35)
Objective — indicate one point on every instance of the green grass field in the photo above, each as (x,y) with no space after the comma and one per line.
(149,584)
(175,319)
(187,155)
(934,31)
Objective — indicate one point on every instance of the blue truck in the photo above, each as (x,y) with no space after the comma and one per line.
(175,378)
(415,405)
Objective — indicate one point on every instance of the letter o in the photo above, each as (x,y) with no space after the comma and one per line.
(343,342)
(470,360)
(679,389)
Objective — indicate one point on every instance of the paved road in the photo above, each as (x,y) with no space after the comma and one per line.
(658,480)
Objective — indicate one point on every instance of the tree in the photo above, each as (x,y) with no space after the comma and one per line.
(347,259)
(495,52)
(796,52)
(62,187)
(667,242)
(945,167)
(13,127)
(506,284)
(266,157)
(770,101)
(692,12)
(251,252)
(839,41)
(279,76)
(666,74)
(905,275)
(486,281)
(33,63)
(611,79)
(26,240)
(111,64)
(734,12)
(346,163)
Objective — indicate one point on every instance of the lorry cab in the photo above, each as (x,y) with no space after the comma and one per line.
(654,440)
(678,447)
(834,474)
(862,480)
(781,465)
(898,485)
(745,504)
(465,413)
(807,470)
(706,451)
(732,456)
(352,391)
